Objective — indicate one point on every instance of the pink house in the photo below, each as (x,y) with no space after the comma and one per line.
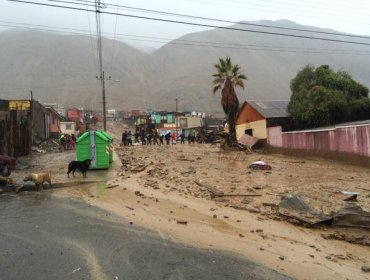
(75,115)
(54,121)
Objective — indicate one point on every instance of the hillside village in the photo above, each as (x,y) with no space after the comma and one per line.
(142,173)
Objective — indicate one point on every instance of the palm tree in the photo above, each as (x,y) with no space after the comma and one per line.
(228,77)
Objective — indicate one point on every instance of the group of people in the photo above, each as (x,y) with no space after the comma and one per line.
(154,138)
(126,138)
(67,142)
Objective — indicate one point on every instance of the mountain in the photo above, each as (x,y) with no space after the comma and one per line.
(61,68)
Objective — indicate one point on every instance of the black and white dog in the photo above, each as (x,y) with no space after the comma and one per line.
(81,166)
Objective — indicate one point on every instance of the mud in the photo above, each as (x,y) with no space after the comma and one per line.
(154,186)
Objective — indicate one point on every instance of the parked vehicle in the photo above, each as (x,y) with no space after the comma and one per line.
(7,165)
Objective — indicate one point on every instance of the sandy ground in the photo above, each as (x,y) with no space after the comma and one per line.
(155,187)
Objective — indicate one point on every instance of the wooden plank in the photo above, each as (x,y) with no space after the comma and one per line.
(242,194)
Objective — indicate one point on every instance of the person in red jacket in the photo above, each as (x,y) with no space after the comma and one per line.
(173,137)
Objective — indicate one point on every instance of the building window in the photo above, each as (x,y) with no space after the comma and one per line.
(53,119)
(249,131)
(68,126)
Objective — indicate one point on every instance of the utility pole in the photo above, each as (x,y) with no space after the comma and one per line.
(176,120)
(102,78)
(31,117)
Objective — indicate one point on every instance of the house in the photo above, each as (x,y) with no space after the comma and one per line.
(61,110)
(68,128)
(54,120)
(112,114)
(255,117)
(75,115)
(192,122)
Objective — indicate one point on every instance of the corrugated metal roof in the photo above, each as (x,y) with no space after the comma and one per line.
(271,109)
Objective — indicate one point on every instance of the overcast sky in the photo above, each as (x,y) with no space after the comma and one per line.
(341,15)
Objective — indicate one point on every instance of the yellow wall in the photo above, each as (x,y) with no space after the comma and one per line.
(259,129)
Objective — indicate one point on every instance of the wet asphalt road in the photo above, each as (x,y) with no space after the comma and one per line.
(43,237)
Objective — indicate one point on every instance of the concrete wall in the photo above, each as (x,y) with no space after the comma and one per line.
(345,139)
(40,128)
(68,128)
(258,128)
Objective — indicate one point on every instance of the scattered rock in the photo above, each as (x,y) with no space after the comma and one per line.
(281,258)
(259,230)
(214,216)
(182,222)
(241,235)
(111,186)
(365,268)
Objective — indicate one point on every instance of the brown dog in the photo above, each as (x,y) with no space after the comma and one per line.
(38,179)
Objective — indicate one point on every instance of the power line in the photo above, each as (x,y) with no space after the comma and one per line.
(332,10)
(114,41)
(268,8)
(249,47)
(91,41)
(227,21)
(200,24)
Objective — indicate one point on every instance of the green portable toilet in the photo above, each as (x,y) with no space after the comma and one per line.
(94,145)
(106,134)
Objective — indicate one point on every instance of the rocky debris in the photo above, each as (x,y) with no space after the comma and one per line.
(356,238)
(111,186)
(226,179)
(294,207)
(214,192)
(138,168)
(138,193)
(365,268)
(247,208)
(38,150)
(151,184)
(181,221)
(47,145)
(158,172)
(183,158)
(187,171)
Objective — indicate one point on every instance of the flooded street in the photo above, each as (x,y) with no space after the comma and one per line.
(157,201)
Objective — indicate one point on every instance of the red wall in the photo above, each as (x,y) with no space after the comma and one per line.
(353,139)
(248,114)
(75,115)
